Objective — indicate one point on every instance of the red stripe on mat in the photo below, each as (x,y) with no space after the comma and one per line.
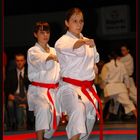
(33,135)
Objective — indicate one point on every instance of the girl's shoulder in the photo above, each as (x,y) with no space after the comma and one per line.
(33,48)
(63,38)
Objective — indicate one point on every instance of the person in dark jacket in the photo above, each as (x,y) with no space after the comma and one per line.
(16,85)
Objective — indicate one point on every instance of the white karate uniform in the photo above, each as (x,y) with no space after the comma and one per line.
(40,70)
(76,64)
(129,65)
(117,81)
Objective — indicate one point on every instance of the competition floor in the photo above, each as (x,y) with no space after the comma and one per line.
(112,131)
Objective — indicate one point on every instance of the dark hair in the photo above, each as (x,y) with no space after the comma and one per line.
(124,44)
(19,54)
(71,11)
(42,26)
(114,56)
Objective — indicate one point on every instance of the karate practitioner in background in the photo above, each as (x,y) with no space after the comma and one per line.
(116,81)
(43,72)
(77,95)
(128,62)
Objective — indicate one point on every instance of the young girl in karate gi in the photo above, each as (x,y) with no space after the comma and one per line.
(128,62)
(117,84)
(43,72)
(77,56)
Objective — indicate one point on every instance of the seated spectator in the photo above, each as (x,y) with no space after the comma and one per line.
(16,85)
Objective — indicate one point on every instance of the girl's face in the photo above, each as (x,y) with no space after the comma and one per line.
(124,51)
(75,24)
(42,36)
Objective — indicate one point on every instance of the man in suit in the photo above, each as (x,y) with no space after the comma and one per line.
(16,86)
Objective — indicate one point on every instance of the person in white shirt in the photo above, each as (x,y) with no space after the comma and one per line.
(43,72)
(116,83)
(128,62)
(77,56)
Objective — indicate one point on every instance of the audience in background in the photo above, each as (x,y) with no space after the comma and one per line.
(16,85)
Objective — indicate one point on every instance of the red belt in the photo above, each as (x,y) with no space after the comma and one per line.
(44,85)
(88,85)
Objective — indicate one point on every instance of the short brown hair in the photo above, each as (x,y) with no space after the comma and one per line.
(72,11)
(41,25)
(19,54)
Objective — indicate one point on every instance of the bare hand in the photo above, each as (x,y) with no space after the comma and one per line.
(89,42)
(11,97)
(78,43)
(52,57)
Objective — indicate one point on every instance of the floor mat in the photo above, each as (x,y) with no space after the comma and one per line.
(108,135)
